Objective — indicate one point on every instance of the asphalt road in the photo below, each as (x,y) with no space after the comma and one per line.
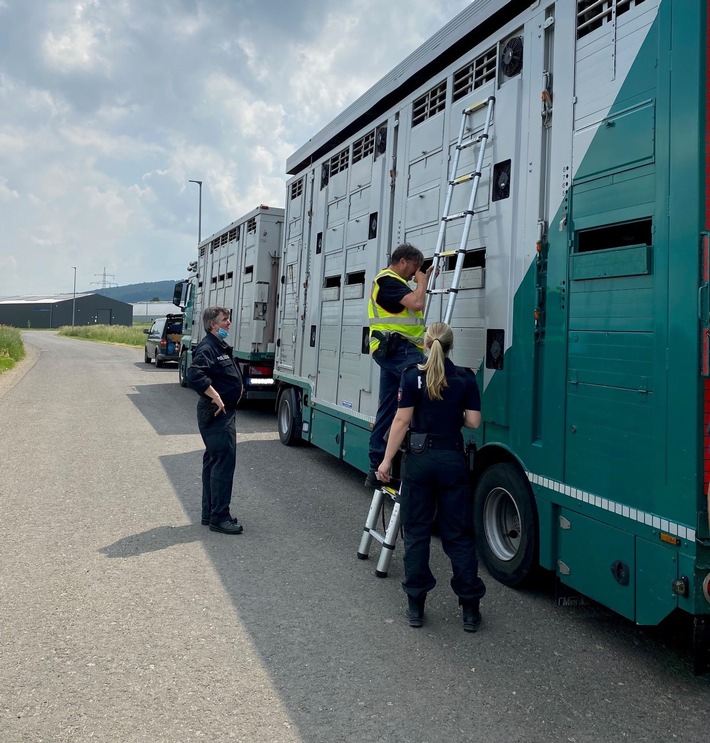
(123,619)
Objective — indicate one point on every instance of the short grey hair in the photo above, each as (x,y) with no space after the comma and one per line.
(210,315)
(408,252)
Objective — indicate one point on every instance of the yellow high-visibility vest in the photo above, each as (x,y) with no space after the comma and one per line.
(407,322)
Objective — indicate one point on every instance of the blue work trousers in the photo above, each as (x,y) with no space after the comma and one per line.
(391,369)
(437,483)
(220,436)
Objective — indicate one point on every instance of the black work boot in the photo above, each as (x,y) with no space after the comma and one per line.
(471,615)
(415,611)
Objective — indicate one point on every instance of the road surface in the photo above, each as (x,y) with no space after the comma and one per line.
(123,619)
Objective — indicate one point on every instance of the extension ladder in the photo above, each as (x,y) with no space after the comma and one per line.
(389,538)
(454,180)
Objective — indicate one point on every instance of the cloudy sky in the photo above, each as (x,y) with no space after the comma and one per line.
(108,107)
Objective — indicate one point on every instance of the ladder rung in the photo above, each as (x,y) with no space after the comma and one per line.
(450,290)
(377,536)
(464,178)
(469,143)
(460,215)
(478,106)
(444,253)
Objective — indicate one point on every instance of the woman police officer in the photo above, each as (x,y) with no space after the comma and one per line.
(435,400)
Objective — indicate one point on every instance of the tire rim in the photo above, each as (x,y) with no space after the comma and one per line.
(285,415)
(502,524)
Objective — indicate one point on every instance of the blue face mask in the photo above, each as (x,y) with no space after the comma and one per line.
(222,333)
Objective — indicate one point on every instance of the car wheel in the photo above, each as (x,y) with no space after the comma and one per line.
(505,522)
(158,362)
(146,358)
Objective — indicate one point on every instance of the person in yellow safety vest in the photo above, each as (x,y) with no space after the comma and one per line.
(396,316)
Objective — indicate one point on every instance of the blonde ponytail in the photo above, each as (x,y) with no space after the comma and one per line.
(439,339)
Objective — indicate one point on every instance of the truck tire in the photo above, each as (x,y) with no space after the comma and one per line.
(158,362)
(182,368)
(505,523)
(288,416)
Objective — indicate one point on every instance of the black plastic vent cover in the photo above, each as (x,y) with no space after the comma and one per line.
(511,58)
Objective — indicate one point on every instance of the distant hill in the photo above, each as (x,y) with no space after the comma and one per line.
(160,290)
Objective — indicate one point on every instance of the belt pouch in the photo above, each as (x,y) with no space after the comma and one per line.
(418,442)
(383,348)
(471,450)
(396,341)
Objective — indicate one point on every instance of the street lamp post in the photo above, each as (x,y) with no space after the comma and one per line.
(199,214)
(73,302)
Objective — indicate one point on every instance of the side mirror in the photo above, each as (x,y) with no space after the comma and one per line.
(179,294)
(146,331)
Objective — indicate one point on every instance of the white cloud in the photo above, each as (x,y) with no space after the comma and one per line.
(78,43)
(110,106)
(6,192)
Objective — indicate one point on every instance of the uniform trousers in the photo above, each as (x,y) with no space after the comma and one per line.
(219,434)
(391,369)
(437,482)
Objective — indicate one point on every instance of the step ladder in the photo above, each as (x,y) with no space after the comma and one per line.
(474,179)
(389,538)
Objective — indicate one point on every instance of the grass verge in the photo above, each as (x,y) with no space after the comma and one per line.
(125,334)
(12,349)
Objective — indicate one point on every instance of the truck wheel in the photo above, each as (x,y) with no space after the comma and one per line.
(182,369)
(158,362)
(505,522)
(289,417)
(146,358)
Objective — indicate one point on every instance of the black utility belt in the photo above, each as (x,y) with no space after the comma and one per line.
(391,342)
(419,442)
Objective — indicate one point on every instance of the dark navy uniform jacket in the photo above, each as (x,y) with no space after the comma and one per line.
(213,364)
(439,417)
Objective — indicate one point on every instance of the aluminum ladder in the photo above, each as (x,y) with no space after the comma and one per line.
(389,538)
(456,180)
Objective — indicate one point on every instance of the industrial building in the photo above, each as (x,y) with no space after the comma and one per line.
(56,310)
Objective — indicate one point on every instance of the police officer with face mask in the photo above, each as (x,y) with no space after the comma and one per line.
(436,399)
(214,375)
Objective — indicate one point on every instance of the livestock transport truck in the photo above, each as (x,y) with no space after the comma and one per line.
(238,268)
(583,295)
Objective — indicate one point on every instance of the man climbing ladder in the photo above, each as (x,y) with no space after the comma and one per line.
(396,337)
